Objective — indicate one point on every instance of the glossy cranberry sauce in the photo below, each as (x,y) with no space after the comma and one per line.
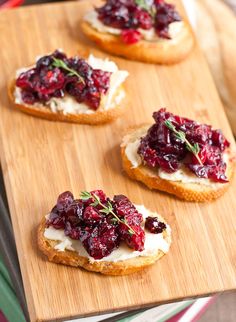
(56,75)
(101,227)
(161,148)
(130,15)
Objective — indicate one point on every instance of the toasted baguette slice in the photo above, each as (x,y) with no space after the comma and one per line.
(187,191)
(99,117)
(72,258)
(162,52)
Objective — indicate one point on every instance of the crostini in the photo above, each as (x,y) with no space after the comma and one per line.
(59,88)
(179,156)
(99,234)
(148,31)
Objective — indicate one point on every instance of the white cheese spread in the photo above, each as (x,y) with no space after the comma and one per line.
(182,175)
(69,105)
(92,18)
(153,242)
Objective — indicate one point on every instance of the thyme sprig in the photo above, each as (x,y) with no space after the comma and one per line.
(61,64)
(107,209)
(146,5)
(195,149)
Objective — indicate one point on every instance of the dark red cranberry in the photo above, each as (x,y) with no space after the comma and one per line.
(85,233)
(165,15)
(154,225)
(143,18)
(218,173)
(126,210)
(219,140)
(100,194)
(59,93)
(129,16)
(202,155)
(64,200)
(100,233)
(101,80)
(161,148)
(102,241)
(59,54)
(72,232)
(91,215)
(74,212)
(56,220)
(134,238)
(83,68)
(24,80)
(116,13)
(130,36)
(44,61)
(46,81)
(50,81)
(28,97)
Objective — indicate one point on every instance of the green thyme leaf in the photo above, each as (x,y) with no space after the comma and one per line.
(106,209)
(85,195)
(142,4)
(61,64)
(195,149)
(130,232)
(94,204)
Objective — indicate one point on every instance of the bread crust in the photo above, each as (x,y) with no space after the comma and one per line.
(99,117)
(187,191)
(72,258)
(163,52)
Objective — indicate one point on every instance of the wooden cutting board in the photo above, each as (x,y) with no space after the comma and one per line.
(40,159)
(217,38)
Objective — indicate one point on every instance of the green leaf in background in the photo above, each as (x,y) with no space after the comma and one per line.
(9,304)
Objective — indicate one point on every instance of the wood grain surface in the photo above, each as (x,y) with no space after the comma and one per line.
(40,159)
(217,38)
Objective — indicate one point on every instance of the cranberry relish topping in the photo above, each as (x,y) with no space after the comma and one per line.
(100,223)
(56,75)
(130,15)
(174,141)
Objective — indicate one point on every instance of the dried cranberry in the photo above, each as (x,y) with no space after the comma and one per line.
(101,80)
(144,19)
(64,200)
(91,215)
(74,212)
(130,36)
(154,225)
(59,55)
(85,233)
(134,238)
(102,241)
(50,81)
(24,80)
(46,81)
(128,16)
(99,232)
(162,148)
(165,15)
(72,232)
(116,13)
(28,97)
(100,194)
(126,210)
(56,219)
(44,61)
(219,140)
